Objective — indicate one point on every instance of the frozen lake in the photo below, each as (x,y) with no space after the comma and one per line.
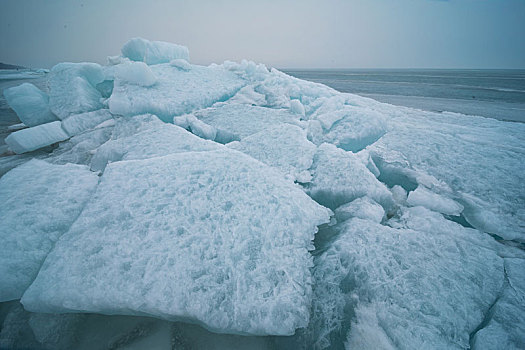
(496,94)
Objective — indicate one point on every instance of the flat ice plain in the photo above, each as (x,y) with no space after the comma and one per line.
(153,203)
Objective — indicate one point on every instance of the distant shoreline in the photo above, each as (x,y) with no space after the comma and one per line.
(10,66)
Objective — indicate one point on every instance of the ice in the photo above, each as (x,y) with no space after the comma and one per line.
(78,123)
(196,126)
(351,128)
(340,177)
(399,194)
(433,201)
(73,88)
(154,52)
(364,208)
(176,92)
(247,95)
(209,222)
(81,148)
(426,284)
(27,140)
(158,140)
(237,121)
(16,127)
(39,203)
(137,73)
(14,333)
(297,107)
(477,158)
(210,237)
(30,104)
(181,64)
(505,326)
(25,330)
(284,147)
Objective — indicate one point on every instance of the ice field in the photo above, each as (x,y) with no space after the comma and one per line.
(151,203)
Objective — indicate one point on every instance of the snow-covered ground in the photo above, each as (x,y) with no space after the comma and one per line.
(153,203)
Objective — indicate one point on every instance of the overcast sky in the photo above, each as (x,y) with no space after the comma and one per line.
(280,33)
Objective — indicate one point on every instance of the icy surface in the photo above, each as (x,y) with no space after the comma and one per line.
(30,104)
(154,139)
(39,203)
(81,148)
(137,73)
(477,159)
(181,64)
(236,121)
(364,208)
(284,147)
(348,127)
(25,330)
(425,249)
(505,326)
(211,237)
(73,88)
(78,123)
(154,52)
(340,177)
(27,140)
(426,284)
(423,197)
(176,91)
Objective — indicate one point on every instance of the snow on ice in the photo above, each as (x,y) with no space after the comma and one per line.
(154,202)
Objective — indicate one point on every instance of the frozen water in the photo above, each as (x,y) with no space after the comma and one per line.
(184,228)
(457,150)
(283,146)
(30,104)
(154,52)
(159,140)
(363,208)
(196,126)
(297,107)
(81,148)
(39,203)
(176,91)
(137,73)
(211,237)
(340,177)
(505,326)
(78,123)
(433,201)
(27,140)
(426,284)
(351,128)
(237,121)
(181,64)
(25,330)
(72,88)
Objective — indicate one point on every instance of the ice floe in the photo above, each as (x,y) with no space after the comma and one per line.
(211,237)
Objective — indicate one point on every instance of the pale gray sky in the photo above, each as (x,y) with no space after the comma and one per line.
(280,33)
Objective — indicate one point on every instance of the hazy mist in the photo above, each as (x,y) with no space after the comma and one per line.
(302,34)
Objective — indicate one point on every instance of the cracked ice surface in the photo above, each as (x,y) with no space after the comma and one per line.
(477,159)
(175,92)
(39,203)
(210,237)
(184,228)
(426,284)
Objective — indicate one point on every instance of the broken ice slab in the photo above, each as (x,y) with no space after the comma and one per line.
(30,139)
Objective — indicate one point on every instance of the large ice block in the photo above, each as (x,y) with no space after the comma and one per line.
(27,140)
(212,237)
(39,203)
(30,104)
